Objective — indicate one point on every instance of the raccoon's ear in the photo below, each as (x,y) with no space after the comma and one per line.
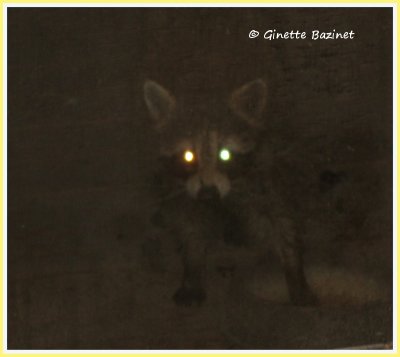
(159,101)
(249,101)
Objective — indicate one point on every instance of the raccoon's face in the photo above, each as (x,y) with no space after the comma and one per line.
(207,150)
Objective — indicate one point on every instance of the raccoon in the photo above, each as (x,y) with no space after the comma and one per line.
(218,181)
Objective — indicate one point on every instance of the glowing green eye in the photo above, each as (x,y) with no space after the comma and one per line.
(225,155)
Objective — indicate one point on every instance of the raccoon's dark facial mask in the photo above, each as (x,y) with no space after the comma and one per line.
(207,156)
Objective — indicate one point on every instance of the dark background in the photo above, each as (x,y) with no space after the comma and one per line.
(84,268)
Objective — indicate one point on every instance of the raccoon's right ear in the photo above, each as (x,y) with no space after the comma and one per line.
(249,101)
(159,101)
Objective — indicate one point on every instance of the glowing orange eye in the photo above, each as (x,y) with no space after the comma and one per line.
(188,156)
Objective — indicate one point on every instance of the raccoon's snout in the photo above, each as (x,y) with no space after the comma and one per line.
(217,183)
(208,193)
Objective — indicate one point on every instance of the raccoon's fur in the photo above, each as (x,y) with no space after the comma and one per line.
(220,182)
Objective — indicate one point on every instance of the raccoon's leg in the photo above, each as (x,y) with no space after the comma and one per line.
(192,289)
(290,252)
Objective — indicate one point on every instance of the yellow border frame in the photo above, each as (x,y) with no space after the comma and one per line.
(3,175)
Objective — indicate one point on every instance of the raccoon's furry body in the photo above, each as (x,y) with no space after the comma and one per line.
(222,183)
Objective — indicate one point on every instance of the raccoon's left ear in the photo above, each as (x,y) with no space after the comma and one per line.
(160,102)
(249,101)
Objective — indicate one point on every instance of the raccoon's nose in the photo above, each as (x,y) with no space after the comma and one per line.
(208,193)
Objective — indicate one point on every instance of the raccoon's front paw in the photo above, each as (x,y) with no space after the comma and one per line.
(304,298)
(185,296)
